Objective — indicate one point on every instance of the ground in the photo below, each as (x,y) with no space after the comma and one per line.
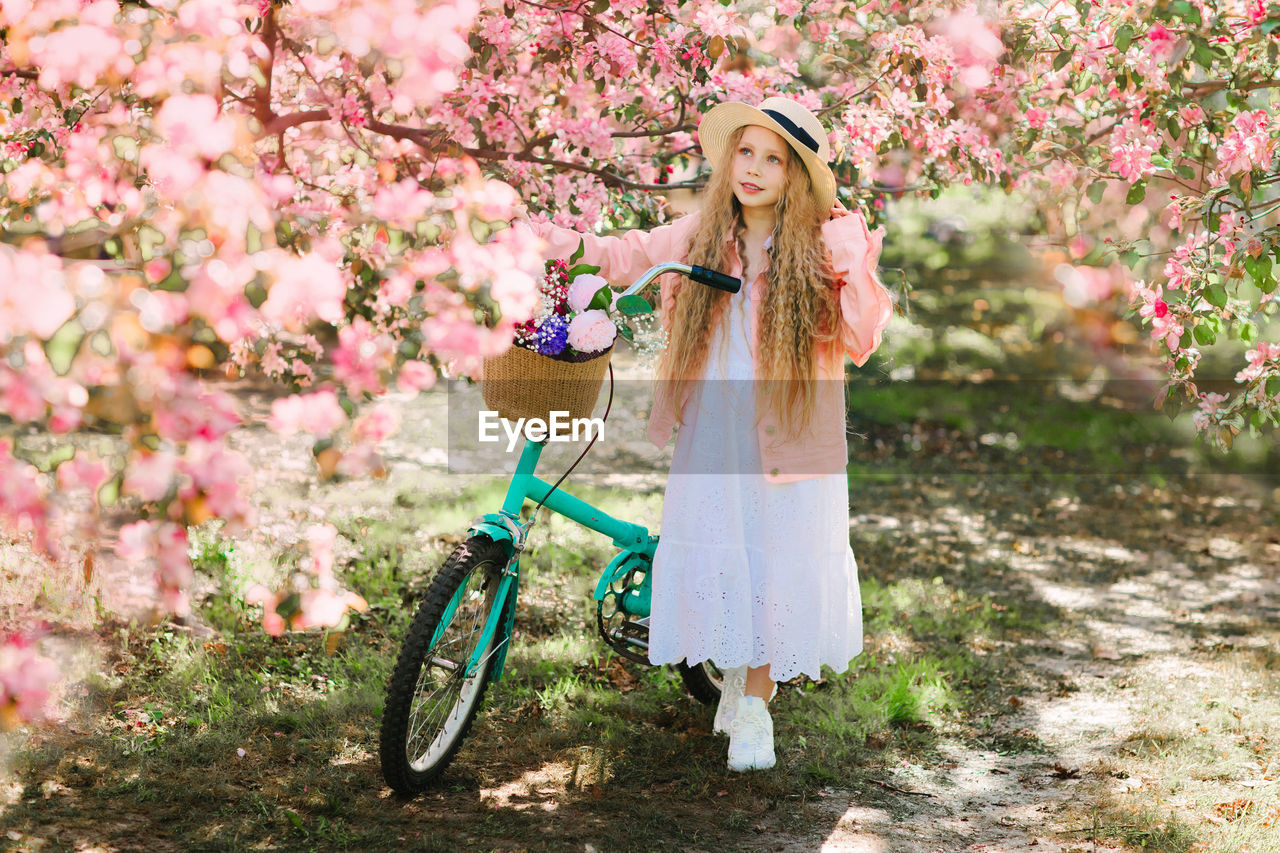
(1066,649)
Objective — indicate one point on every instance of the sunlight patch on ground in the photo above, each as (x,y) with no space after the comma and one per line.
(857,831)
(534,789)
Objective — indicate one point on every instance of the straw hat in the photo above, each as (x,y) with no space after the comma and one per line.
(793,122)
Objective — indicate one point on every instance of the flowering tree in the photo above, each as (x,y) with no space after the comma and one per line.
(313,189)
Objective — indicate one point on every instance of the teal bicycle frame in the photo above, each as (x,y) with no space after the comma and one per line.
(636,542)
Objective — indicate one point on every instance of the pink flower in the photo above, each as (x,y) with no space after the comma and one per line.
(133,543)
(1036,117)
(1162,42)
(375,425)
(1258,358)
(33,294)
(582,289)
(305,287)
(415,376)
(25,680)
(319,414)
(150,475)
(592,331)
(1191,115)
(324,608)
(361,356)
(1209,405)
(1132,161)
(77,473)
(191,124)
(320,538)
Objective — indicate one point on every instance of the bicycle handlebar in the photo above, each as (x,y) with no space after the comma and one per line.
(716,279)
(711,278)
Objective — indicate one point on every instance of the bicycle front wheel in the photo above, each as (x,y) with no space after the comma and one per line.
(431,701)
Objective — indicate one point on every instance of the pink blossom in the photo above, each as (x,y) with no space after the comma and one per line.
(272,622)
(362,460)
(194,414)
(319,413)
(362,354)
(305,287)
(219,475)
(173,566)
(1167,329)
(592,331)
(22,496)
(1258,358)
(321,538)
(1248,146)
(402,203)
(33,294)
(79,473)
(1161,41)
(415,376)
(191,125)
(1191,115)
(1132,161)
(1209,403)
(976,48)
(150,476)
(1036,117)
(375,425)
(582,289)
(26,679)
(134,542)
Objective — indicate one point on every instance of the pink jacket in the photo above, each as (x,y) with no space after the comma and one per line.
(865,308)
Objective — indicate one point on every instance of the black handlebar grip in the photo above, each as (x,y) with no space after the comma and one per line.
(716,279)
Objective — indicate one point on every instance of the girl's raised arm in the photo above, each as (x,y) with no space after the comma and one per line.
(621,259)
(865,305)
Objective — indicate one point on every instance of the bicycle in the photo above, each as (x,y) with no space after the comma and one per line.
(458,640)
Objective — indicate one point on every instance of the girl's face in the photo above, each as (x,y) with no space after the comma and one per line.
(759,167)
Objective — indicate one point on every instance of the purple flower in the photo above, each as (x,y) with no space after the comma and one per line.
(553,334)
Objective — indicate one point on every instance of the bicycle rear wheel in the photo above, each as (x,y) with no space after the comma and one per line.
(704,681)
(431,702)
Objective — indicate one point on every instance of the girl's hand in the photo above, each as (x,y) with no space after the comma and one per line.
(838,210)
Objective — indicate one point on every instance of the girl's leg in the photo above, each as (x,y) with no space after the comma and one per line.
(759,683)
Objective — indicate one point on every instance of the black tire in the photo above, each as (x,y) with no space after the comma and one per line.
(430,707)
(702,680)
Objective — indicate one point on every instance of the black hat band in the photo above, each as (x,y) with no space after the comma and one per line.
(794,129)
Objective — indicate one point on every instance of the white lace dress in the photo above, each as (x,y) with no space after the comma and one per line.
(747,571)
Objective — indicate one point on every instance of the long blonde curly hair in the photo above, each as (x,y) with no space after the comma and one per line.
(799,309)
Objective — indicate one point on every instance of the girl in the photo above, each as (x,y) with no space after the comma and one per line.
(753,568)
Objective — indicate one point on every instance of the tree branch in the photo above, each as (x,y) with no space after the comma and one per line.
(610,179)
(661,131)
(1208,87)
(262,97)
(584,16)
(279,124)
(24,73)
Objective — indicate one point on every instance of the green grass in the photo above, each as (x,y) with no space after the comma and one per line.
(159,735)
(1204,753)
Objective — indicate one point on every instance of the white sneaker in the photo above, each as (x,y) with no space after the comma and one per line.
(751,736)
(735,682)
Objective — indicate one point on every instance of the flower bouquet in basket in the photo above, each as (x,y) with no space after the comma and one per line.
(559,357)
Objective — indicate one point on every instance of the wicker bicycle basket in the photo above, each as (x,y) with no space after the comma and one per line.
(521,383)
